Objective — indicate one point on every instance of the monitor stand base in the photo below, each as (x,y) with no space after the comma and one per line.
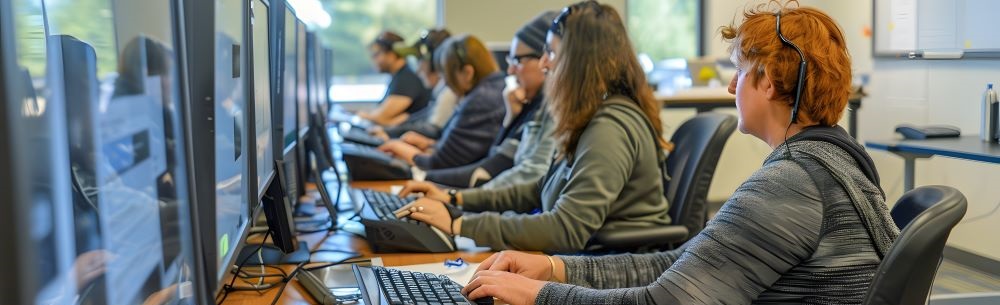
(271,255)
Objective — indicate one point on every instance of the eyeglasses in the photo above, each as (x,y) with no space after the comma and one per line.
(802,69)
(517,59)
(558,26)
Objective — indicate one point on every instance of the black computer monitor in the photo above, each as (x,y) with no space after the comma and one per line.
(302,100)
(270,182)
(259,35)
(288,102)
(216,53)
(103,157)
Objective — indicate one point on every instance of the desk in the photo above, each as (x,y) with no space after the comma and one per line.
(700,98)
(295,294)
(704,99)
(967,147)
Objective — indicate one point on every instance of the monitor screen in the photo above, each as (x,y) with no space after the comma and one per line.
(288,114)
(302,86)
(264,150)
(231,134)
(132,238)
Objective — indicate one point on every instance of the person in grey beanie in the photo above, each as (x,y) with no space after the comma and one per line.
(522,151)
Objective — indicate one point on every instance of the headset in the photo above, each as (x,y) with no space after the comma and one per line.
(799,83)
(802,69)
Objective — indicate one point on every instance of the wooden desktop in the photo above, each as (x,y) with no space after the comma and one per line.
(294,293)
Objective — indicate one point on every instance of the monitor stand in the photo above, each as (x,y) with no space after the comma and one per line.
(271,255)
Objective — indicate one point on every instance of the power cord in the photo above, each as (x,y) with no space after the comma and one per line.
(284,282)
(227,288)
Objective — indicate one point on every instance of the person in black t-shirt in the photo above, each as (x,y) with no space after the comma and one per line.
(406,94)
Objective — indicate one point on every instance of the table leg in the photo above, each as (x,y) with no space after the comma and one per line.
(852,117)
(909,168)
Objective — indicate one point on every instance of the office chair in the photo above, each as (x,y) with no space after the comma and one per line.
(906,273)
(699,143)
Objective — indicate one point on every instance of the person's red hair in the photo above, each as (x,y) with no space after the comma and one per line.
(755,47)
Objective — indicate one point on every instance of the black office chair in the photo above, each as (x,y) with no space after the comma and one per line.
(905,276)
(699,143)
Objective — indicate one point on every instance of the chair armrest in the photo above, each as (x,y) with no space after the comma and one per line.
(634,238)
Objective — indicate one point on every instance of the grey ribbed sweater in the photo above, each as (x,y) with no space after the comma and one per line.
(790,234)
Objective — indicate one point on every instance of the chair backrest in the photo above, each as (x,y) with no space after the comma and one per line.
(906,273)
(698,144)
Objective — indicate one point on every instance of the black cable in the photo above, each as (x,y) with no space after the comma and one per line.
(281,272)
(284,283)
(239,267)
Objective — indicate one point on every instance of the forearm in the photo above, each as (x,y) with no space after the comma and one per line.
(630,270)
(519,198)
(549,232)
(558,294)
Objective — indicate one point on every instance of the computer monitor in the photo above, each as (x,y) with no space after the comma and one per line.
(116,203)
(302,100)
(262,94)
(271,189)
(288,104)
(219,140)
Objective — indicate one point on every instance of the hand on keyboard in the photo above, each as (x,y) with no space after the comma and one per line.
(533,266)
(400,150)
(428,189)
(508,287)
(434,213)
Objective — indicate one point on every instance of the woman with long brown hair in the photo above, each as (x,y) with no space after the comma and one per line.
(607,174)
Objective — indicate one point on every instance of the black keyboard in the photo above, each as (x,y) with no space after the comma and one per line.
(384,204)
(360,136)
(386,233)
(405,287)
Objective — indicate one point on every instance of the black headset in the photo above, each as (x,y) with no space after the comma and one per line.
(802,69)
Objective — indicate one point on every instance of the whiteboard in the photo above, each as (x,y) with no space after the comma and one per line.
(950,28)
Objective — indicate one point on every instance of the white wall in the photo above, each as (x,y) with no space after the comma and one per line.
(938,92)
(496,21)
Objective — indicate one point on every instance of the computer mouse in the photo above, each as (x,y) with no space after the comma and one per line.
(910,132)
(914,132)
(484,301)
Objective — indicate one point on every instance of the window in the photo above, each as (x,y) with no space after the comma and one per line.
(665,34)
(355,25)
(664,29)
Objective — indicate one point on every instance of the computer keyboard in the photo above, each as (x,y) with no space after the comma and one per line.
(386,233)
(384,204)
(368,163)
(361,136)
(406,287)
